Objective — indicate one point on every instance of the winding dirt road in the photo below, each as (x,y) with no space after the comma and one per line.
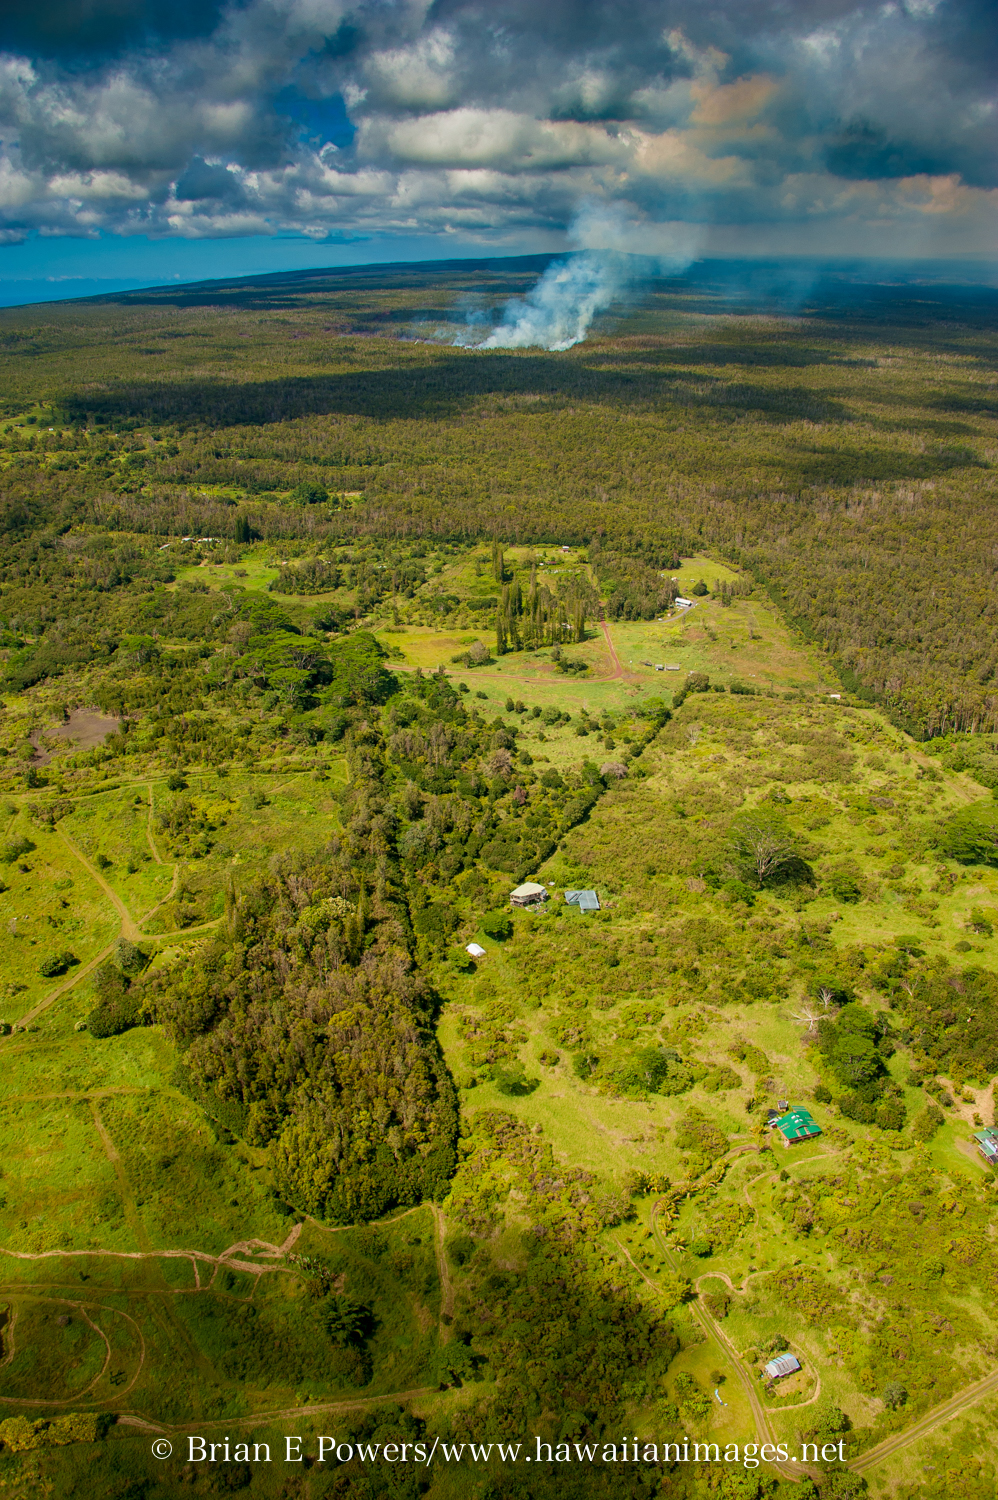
(714,1330)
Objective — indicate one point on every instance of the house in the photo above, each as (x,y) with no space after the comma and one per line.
(783,1105)
(584,900)
(797,1126)
(987,1145)
(476,950)
(528,894)
(783,1364)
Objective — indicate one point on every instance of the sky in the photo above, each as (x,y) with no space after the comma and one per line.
(148,141)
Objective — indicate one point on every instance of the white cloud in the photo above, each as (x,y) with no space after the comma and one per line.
(417,77)
(502,123)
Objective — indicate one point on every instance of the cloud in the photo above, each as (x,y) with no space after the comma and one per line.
(820,123)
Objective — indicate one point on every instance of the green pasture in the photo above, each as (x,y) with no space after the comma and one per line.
(59,1188)
(119,828)
(50,905)
(743,642)
(55,1349)
(955,1455)
(188,1191)
(255,570)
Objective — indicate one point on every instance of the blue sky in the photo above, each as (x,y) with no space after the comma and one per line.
(143,141)
(51,270)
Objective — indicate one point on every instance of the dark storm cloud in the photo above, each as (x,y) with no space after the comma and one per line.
(829,121)
(76,30)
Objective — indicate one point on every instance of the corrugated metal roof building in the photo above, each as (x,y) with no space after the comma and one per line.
(987,1145)
(528,894)
(784,1364)
(797,1126)
(584,900)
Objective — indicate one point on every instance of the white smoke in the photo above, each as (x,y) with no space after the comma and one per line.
(615,255)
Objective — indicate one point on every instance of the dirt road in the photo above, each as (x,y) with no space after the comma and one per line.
(954,1407)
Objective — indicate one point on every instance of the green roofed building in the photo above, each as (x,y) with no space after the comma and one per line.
(796,1126)
(987,1145)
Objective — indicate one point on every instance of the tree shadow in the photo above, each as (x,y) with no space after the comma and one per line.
(427,383)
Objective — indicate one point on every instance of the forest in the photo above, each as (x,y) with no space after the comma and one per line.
(845,463)
(318,636)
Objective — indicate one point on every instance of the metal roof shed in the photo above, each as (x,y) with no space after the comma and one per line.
(584,900)
(784,1364)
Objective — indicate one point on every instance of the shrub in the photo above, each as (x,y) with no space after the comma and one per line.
(720,1080)
(308,492)
(113,1016)
(129,958)
(21,1434)
(344,1321)
(844,888)
(737,890)
(927,1123)
(497,925)
(49,968)
(460,1249)
(435,923)
(15,849)
(585,1064)
(804,1290)
(891,1114)
(971,835)
(513,1082)
(717,1304)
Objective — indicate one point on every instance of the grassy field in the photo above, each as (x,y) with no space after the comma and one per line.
(160,1238)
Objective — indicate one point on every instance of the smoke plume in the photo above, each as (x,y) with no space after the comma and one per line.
(616,255)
